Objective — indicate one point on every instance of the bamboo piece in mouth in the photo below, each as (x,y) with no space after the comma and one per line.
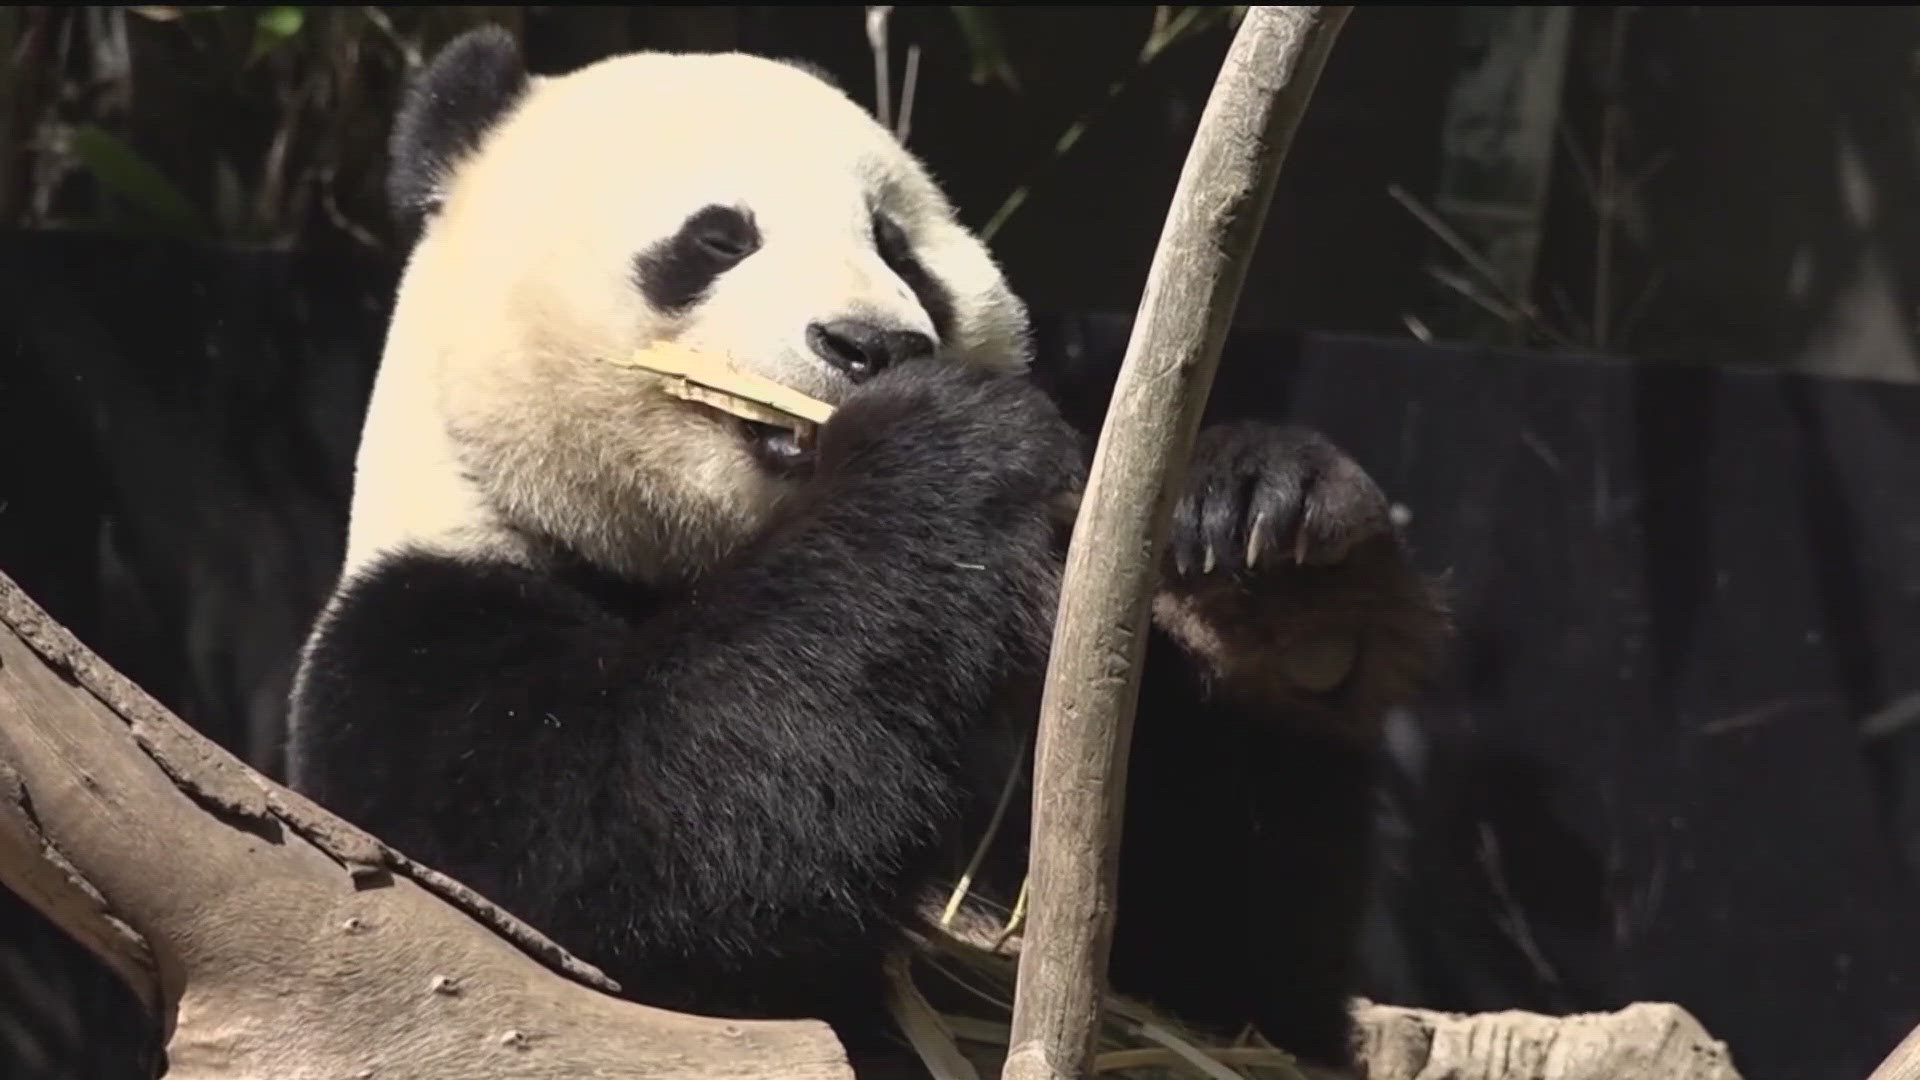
(710,379)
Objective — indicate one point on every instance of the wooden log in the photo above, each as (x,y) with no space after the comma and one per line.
(1644,1041)
(273,939)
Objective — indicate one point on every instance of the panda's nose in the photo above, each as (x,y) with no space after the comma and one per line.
(863,349)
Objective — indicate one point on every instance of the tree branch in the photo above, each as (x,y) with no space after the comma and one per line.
(1112,565)
(1904,1062)
(1644,1041)
(273,939)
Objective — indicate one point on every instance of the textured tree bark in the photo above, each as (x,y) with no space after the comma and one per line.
(1904,1062)
(1645,1041)
(273,939)
(1092,682)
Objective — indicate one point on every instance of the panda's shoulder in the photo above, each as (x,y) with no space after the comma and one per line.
(423,617)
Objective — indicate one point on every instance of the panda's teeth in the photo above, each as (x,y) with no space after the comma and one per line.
(777,446)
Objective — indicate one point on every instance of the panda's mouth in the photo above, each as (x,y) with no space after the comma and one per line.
(777,448)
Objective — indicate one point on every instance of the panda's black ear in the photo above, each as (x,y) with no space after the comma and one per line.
(812,69)
(447,109)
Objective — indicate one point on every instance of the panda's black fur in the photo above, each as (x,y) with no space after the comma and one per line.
(791,724)
(731,793)
(446,112)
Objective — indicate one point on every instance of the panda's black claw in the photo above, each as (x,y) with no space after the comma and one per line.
(1346,509)
(1273,508)
(1259,538)
(1221,514)
(1263,498)
(1183,541)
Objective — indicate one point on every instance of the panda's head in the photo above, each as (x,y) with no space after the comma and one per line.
(735,205)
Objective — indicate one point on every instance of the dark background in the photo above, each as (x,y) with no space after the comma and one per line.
(1674,757)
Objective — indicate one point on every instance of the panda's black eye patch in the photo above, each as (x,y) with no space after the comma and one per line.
(891,241)
(677,271)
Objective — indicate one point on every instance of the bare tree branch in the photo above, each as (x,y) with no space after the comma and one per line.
(1099,637)
(1644,1041)
(273,939)
(1904,1062)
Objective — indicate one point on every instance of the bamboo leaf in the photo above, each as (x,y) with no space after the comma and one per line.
(985,47)
(1184,23)
(123,172)
(274,27)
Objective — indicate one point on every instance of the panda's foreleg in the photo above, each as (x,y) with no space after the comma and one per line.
(1288,623)
(728,797)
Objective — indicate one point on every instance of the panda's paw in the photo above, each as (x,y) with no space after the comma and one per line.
(1287,584)
(956,430)
(1263,499)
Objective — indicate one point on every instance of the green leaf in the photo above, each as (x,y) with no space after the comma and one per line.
(273,27)
(282,22)
(122,172)
(985,47)
(1186,22)
(171,12)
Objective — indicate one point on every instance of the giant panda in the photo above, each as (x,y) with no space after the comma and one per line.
(707,706)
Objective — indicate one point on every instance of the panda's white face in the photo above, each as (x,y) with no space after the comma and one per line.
(729,203)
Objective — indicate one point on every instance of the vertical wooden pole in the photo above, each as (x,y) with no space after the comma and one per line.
(1113,563)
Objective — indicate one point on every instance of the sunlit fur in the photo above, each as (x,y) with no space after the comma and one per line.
(520,294)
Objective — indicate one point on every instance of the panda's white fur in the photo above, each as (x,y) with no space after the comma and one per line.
(519,295)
